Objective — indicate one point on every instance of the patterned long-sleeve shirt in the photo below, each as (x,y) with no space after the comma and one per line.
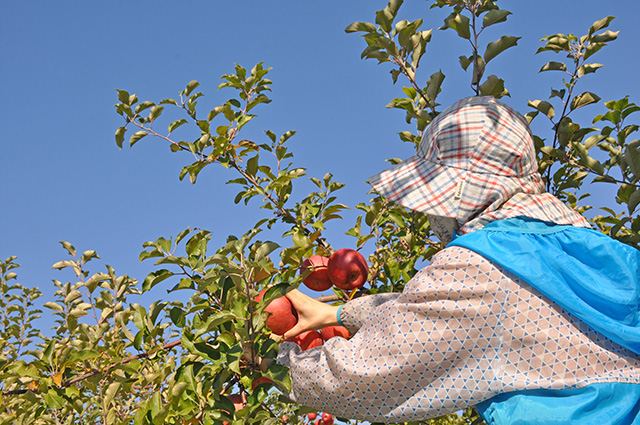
(462,331)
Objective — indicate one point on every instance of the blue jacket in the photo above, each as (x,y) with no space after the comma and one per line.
(597,280)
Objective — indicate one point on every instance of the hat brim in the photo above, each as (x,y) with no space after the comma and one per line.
(421,185)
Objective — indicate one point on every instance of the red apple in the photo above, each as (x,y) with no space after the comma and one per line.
(312,416)
(318,279)
(237,401)
(327,419)
(283,316)
(347,269)
(308,339)
(331,331)
(260,380)
(238,404)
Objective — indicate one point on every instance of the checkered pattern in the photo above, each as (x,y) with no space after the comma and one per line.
(463,331)
(474,158)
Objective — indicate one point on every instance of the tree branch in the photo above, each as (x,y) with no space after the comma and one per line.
(104,371)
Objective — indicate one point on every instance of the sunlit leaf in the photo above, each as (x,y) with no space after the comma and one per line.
(493,86)
(495,16)
(135,137)
(584,99)
(554,66)
(499,46)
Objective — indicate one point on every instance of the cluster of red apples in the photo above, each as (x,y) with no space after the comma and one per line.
(325,419)
(346,269)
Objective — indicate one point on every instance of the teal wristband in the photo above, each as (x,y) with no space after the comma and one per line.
(338,314)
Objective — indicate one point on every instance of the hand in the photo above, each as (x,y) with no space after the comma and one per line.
(312,314)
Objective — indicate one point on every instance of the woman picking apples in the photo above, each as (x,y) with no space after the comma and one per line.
(527,313)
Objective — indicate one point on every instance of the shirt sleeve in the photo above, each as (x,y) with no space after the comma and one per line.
(426,352)
(356,312)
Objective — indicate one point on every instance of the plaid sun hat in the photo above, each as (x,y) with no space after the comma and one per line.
(474,157)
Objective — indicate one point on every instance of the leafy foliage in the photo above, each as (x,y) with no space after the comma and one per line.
(114,361)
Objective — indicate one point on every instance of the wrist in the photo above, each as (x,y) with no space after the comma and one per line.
(331,315)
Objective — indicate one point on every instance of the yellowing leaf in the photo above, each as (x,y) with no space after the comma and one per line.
(57,378)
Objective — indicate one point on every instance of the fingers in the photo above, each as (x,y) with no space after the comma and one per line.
(312,314)
(297,298)
(293,332)
(306,308)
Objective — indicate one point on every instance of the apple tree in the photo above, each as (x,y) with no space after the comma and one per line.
(205,360)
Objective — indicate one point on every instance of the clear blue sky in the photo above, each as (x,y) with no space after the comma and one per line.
(63,177)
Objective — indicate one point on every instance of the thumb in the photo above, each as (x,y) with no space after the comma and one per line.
(295,331)
(297,298)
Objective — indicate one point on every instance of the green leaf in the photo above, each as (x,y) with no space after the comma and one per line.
(555,43)
(265,249)
(465,61)
(593,140)
(605,37)
(70,248)
(405,31)
(632,157)
(110,393)
(193,84)
(120,136)
(47,354)
(385,17)
(584,99)
(214,321)
(178,317)
(123,96)
(543,106)
(592,49)
(420,41)
(360,26)
(139,315)
(434,85)
(252,166)
(89,255)
(155,277)
(84,355)
(53,306)
(135,137)
(155,405)
(634,200)
(144,105)
(176,124)
(553,66)
(557,93)
(460,24)
(495,16)
(62,264)
(588,68)
(53,399)
(178,389)
(155,112)
(499,46)
(493,86)
(593,164)
(240,180)
(601,23)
